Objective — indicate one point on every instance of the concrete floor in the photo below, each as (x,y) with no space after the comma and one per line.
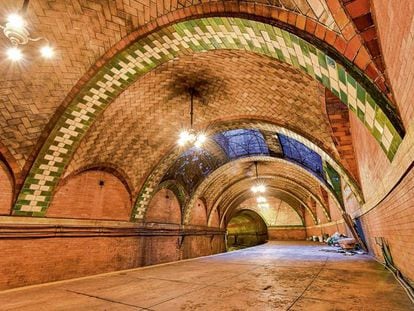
(274,276)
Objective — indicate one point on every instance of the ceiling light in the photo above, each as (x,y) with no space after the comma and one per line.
(15,30)
(263,205)
(47,51)
(14,54)
(15,21)
(187,137)
(258,187)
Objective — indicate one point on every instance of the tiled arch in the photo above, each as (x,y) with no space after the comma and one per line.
(219,172)
(104,167)
(154,178)
(177,189)
(191,36)
(273,194)
(240,195)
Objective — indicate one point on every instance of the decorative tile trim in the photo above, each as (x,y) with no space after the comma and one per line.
(187,37)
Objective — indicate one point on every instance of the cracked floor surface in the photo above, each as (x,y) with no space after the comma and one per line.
(274,276)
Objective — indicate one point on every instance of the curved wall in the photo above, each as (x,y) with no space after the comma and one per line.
(91,195)
(6,190)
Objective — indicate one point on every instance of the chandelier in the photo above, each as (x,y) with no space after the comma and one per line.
(16,32)
(190,136)
(259,188)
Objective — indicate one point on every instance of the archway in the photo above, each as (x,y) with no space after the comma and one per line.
(246,228)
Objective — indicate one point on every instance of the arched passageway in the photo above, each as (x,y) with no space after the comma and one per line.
(136,133)
(244,229)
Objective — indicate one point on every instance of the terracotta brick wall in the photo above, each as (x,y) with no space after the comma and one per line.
(26,261)
(393,219)
(199,214)
(82,197)
(394,20)
(372,161)
(195,246)
(6,190)
(33,261)
(330,228)
(164,208)
(286,233)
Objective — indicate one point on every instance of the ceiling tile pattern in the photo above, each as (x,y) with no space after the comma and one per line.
(278,213)
(183,38)
(81,31)
(144,122)
(238,176)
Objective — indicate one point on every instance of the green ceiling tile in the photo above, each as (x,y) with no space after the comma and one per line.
(322,60)
(361,114)
(370,101)
(344,97)
(360,93)
(341,74)
(286,38)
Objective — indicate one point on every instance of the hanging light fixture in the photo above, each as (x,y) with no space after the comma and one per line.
(16,31)
(258,187)
(191,137)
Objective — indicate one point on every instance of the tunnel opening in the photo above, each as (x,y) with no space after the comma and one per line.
(245,229)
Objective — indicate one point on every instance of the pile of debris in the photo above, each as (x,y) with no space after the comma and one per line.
(343,244)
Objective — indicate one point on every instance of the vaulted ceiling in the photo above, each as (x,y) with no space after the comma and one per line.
(116,94)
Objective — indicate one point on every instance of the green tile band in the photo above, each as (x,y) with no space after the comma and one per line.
(183,38)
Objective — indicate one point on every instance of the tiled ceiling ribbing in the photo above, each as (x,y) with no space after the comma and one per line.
(147,191)
(196,35)
(81,32)
(237,176)
(279,212)
(240,191)
(137,129)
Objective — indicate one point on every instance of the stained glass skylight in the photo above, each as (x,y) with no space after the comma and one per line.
(242,142)
(191,167)
(298,152)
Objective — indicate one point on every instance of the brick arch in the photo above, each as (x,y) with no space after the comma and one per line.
(10,161)
(104,167)
(288,192)
(178,190)
(91,194)
(215,178)
(174,40)
(247,198)
(164,207)
(241,196)
(236,194)
(7,186)
(154,178)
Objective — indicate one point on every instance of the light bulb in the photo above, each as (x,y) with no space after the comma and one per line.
(183,138)
(47,51)
(198,144)
(201,138)
(254,189)
(263,205)
(14,54)
(15,21)
(261,188)
(191,137)
(261,200)
(184,135)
